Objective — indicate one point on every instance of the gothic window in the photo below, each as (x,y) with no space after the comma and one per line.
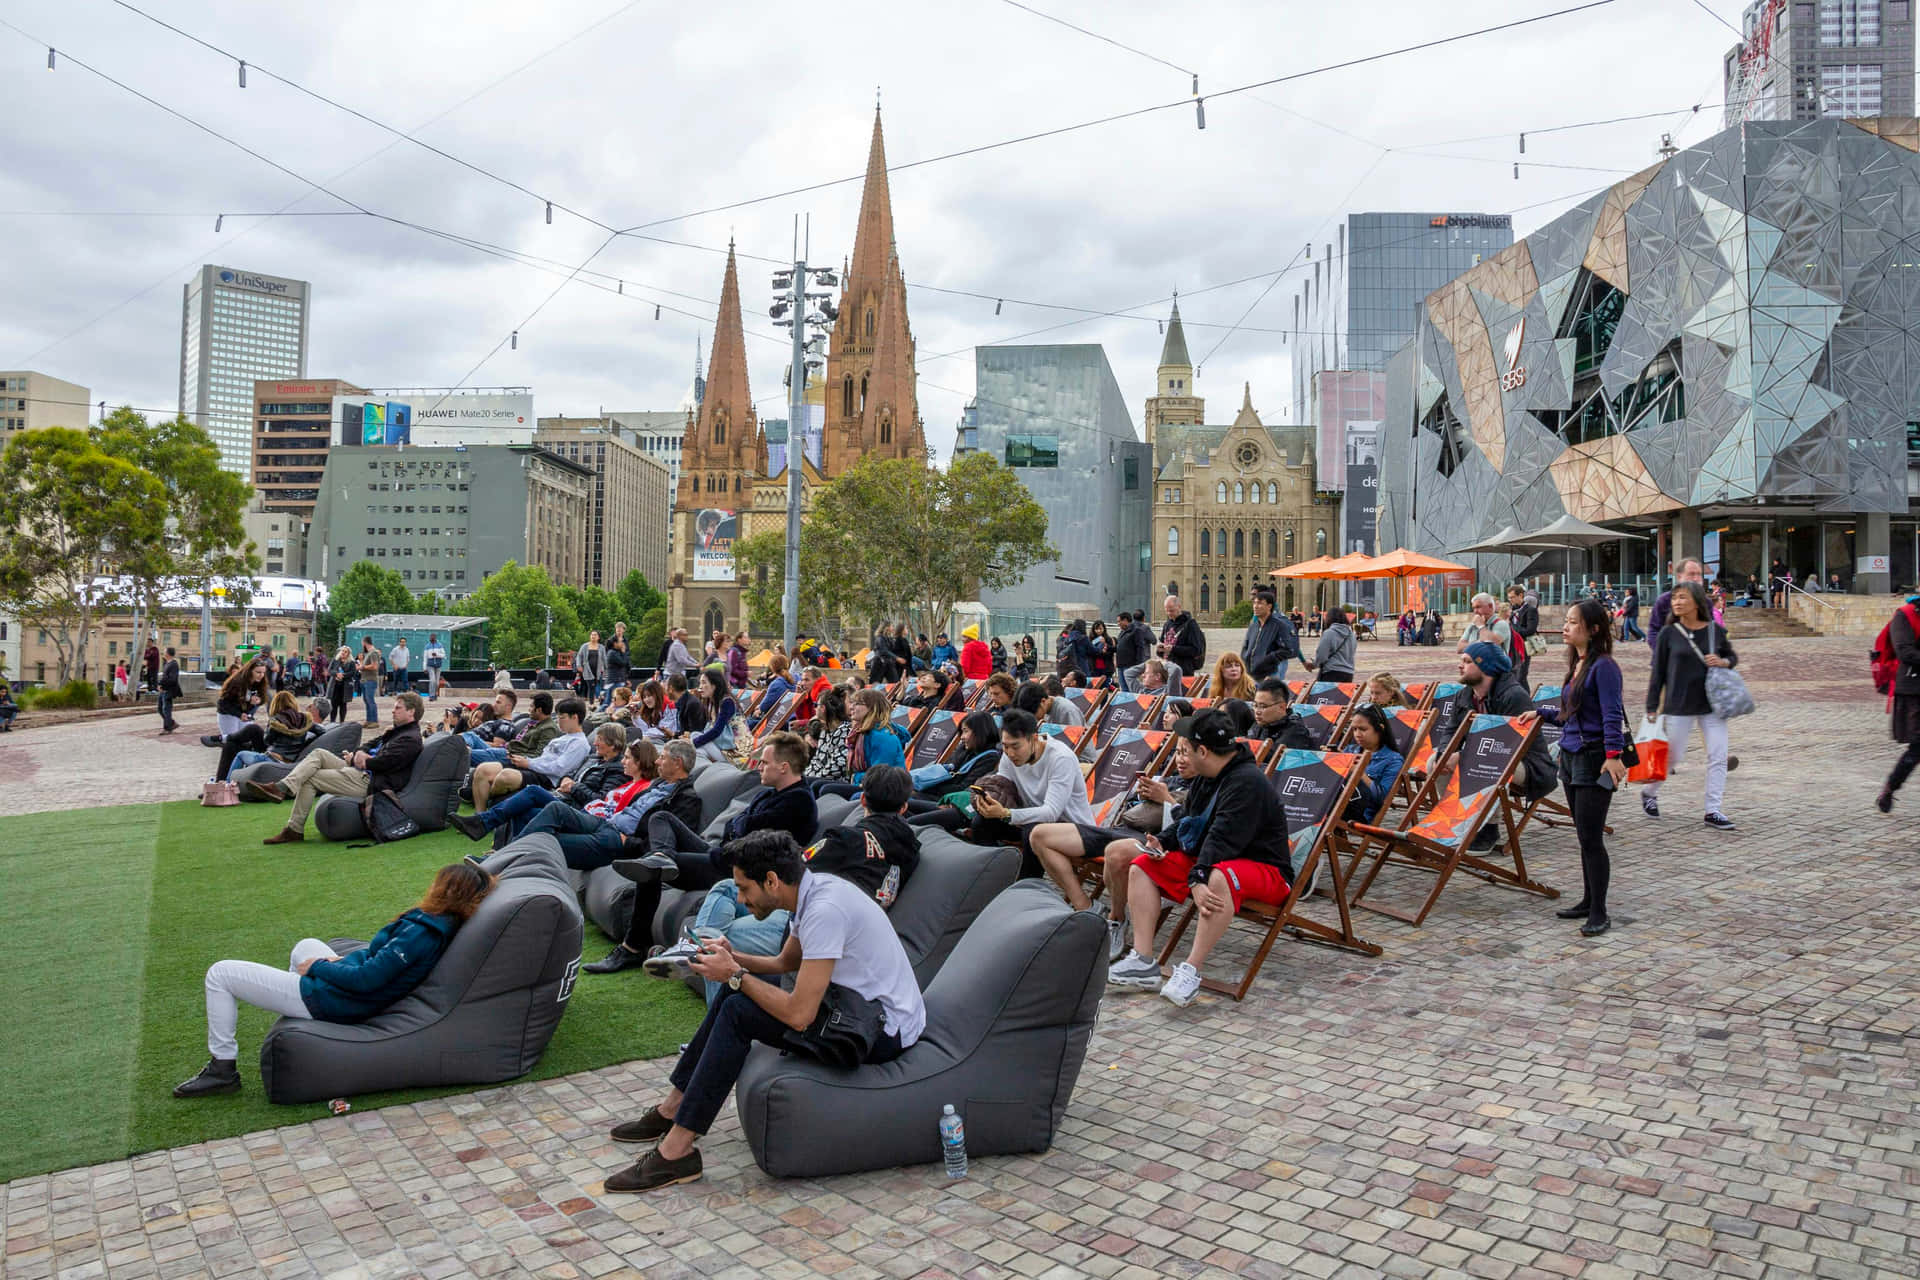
(1256,491)
(1206,598)
(1272,546)
(1289,537)
(846,397)
(1220,492)
(1206,543)
(863,386)
(1239,591)
(869,324)
(886,431)
(1220,540)
(1239,492)
(716,618)
(1273,493)
(1239,544)
(1173,543)
(719,431)
(1319,542)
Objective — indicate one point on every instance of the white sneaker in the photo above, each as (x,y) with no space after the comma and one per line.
(675,961)
(1183,986)
(1134,971)
(1116,939)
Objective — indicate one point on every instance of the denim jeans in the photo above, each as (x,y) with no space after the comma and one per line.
(243,759)
(481,755)
(586,842)
(699,869)
(721,910)
(165,700)
(368,693)
(519,809)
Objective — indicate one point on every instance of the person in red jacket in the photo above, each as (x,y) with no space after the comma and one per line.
(976,660)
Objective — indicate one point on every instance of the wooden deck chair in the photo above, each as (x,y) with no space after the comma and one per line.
(1195,684)
(1409,726)
(1089,703)
(1549,810)
(1123,711)
(1420,693)
(1298,688)
(777,718)
(1441,729)
(1097,683)
(937,739)
(1314,787)
(1489,748)
(909,721)
(1328,693)
(1127,755)
(1326,723)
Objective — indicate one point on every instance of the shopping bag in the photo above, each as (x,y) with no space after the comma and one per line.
(1651,741)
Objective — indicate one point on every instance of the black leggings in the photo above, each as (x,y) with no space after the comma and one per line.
(340,694)
(249,737)
(1904,766)
(1589,805)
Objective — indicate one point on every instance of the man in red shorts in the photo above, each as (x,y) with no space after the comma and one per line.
(1228,842)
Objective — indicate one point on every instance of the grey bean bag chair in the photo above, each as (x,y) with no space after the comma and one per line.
(609,896)
(1008,1023)
(838,811)
(340,739)
(483,1015)
(947,892)
(431,794)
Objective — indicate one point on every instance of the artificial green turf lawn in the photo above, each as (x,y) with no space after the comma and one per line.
(101,1085)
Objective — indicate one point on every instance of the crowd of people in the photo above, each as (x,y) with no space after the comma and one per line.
(606,767)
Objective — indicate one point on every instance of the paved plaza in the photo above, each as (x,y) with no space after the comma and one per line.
(1725,1084)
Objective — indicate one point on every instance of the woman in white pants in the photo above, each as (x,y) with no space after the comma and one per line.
(317,983)
(1687,648)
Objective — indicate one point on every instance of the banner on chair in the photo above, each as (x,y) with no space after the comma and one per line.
(939,736)
(1307,783)
(1485,754)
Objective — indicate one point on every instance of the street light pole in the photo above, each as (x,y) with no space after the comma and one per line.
(547,644)
(793,312)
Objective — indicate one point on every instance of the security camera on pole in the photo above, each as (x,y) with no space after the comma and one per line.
(809,352)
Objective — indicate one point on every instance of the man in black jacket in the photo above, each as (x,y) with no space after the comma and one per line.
(1128,651)
(681,857)
(385,765)
(599,775)
(1525,622)
(878,853)
(1493,688)
(1231,838)
(1273,718)
(167,690)
(1181,641)
(1270,643)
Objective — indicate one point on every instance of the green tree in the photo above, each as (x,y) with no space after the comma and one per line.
(596,608)
(1238,615)
(514,600)
(645,639)
(763,560)
(430,603)
(78,517)
(364,590)
(204,549)
(637,598)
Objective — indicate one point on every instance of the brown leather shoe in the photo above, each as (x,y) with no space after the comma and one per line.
(287,835)
(271,792)
(654,1171)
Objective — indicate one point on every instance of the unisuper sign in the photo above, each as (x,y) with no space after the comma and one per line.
(247,280)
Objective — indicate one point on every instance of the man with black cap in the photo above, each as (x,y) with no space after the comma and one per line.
(1227,843)
(1493,688)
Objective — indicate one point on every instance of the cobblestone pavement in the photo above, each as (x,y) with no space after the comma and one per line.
(1725,1084)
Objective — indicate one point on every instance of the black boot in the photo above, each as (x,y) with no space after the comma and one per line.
(220,1075)
(469,826)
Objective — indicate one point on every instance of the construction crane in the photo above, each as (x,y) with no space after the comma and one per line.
(1756,58)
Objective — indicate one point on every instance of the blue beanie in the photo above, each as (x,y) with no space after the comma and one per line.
(1488,658)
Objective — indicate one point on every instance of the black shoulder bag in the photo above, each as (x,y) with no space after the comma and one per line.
(385,820)
(844,1031)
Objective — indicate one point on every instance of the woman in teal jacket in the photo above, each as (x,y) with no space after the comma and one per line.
(872,742)
(319,984)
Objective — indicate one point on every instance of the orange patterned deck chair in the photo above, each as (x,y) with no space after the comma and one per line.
(1123,711)
(1314,787)
(776,718)
(1408,725)
(1419,693)
(1489,748)
(1441,730)
(1326,693)
(1325,722)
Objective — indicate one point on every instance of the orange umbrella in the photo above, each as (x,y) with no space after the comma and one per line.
(1314,568)
(1409,564)
(1352,565)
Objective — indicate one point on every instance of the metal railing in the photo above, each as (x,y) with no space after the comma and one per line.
(1793,591)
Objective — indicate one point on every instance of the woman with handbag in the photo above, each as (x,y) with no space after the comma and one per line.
(1686,656)
(1593,735)
(319,984)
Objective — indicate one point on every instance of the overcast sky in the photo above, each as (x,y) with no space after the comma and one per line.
(665,109)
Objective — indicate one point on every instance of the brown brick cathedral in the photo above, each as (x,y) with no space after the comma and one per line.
(726,492)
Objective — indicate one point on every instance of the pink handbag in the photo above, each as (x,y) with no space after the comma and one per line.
(218,795)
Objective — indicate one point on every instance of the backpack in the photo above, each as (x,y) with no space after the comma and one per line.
(1882,661)
(385,820)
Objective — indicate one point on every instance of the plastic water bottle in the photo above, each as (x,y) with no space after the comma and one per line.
(953,1142)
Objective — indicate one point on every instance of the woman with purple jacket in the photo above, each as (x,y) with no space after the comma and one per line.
(1593,733)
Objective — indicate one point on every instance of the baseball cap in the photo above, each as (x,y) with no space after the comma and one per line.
(1210,728)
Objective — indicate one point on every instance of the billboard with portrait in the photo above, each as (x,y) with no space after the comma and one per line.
(714,529)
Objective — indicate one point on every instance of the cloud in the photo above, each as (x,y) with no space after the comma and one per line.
(662,112)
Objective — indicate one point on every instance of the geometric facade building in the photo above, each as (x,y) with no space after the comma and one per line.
(1730,336)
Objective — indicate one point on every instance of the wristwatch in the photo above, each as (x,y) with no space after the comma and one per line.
(739,976)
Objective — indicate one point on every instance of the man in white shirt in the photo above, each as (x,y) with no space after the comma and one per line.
(398,660)
(1046,778)
(436,659)
(840,936)
(493,779)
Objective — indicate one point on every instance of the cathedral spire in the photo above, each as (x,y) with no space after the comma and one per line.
(1173,352)
(721,441)
(873,234)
